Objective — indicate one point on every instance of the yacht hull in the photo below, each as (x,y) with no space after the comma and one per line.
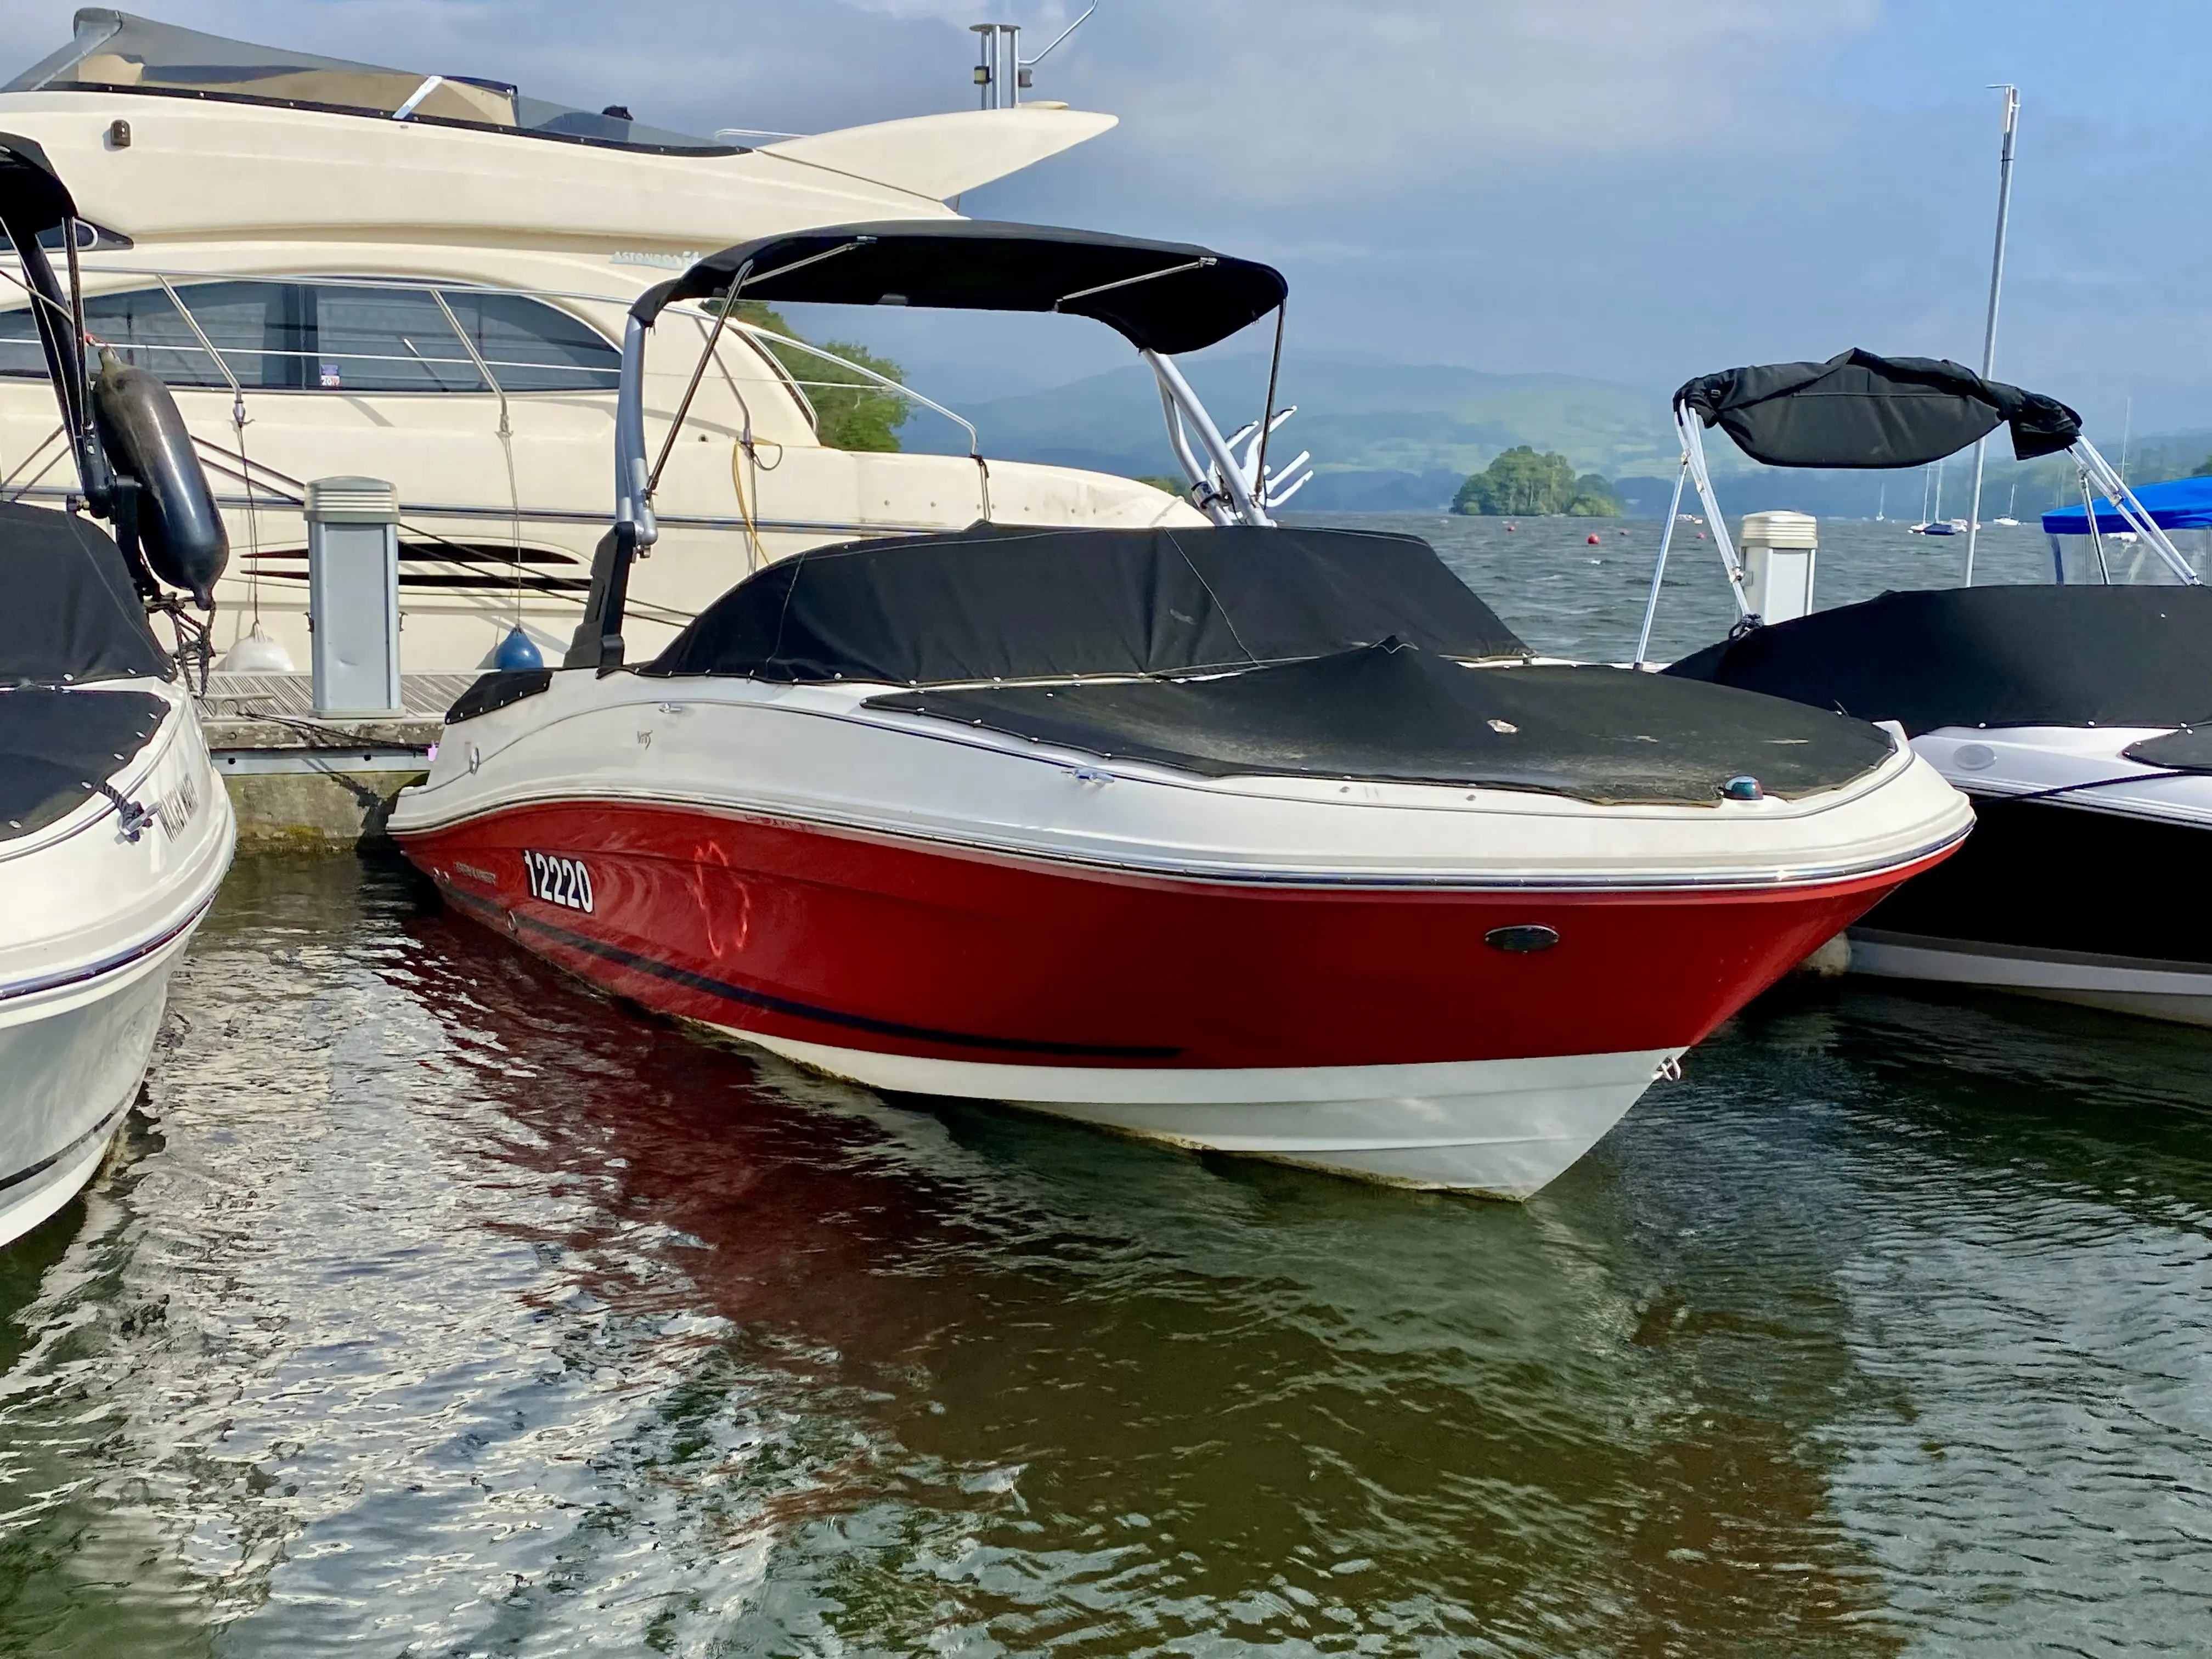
(1371,1031)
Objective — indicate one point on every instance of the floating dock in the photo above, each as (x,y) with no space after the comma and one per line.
(301,780)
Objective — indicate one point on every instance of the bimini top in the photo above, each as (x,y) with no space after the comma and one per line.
(115,52)
(2177,504)
(1000,602)
(1860,411)
(1987,656)
(1162,296)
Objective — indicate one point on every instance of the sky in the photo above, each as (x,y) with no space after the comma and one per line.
(1636,191)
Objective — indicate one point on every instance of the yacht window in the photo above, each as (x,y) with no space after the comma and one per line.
(530,346)
(20,355)
(379,339)
(142,328)
(272,337)
(113,50)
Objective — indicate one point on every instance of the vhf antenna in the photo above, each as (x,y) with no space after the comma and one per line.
(1003,74)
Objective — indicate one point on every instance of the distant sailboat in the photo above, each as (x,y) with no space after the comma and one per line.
(1931,506)
(2011,502)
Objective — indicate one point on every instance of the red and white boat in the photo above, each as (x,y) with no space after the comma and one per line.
(1261,839)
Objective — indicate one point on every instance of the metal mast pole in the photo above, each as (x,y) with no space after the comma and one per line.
(1996,285)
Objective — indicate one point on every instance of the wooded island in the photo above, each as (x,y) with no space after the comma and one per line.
(1522,483)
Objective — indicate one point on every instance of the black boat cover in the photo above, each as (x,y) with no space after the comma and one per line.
(497,689)
(1161,296)
(1987,656)
(1390,713)
(1005,602)
(2189,750)
(68,611)
(1860,411)
(56,747)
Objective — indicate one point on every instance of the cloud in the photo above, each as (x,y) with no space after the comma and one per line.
(1300,96)
(1264,101)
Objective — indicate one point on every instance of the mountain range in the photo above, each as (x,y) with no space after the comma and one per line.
(1390,436)
(1383,435)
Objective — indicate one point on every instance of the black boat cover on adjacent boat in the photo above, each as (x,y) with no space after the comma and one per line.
(1860,411)
(2189,750)
(1009,603)
(1160,296)
(498,689)
(69,612)
(57,747)
(1987,656)
(1390,713)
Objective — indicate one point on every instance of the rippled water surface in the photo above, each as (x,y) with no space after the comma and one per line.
(1568,597)
(435,1305)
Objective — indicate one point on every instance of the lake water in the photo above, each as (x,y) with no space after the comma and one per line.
(435,1305)
(1572,600)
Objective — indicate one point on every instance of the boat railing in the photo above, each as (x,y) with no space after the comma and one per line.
(167,359)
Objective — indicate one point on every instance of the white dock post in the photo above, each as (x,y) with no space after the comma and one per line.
(352,596)
(1779,553)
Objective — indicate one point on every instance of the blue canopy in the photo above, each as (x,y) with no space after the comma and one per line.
(2177,504)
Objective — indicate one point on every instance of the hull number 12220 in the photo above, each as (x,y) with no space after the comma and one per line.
(559,881)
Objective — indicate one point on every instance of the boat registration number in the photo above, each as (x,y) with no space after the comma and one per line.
(558,880)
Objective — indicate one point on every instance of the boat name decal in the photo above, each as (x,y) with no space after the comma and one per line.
(631,255)
(176,809)
(557,880)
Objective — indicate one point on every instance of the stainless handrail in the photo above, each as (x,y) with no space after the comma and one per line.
(167,274)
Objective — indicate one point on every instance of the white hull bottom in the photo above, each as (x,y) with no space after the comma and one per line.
(1500,1128)
(70,1062)
(2127,985)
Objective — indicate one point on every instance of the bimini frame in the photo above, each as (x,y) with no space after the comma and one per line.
(2095,475)
(1166,298)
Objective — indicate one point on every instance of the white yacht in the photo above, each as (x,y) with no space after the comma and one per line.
(114,831)
(341,268)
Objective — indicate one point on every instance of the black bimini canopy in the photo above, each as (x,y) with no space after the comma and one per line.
(1162,296)
(1862,411)
(1016,602)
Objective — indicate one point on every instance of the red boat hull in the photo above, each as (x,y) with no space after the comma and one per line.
(859,942)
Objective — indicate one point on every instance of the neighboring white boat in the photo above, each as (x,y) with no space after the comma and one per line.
(345,270)
(2077,716)
(1261,840)
(114,831)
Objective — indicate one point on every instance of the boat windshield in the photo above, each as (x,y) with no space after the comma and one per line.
(114,50)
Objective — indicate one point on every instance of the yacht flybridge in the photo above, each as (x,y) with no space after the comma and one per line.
(1264,840)
(2077,716)
(341,268)
(114,831)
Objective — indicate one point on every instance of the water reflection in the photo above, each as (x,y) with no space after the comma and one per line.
(444,1306)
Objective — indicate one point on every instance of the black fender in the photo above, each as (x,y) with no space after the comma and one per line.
(145,436)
